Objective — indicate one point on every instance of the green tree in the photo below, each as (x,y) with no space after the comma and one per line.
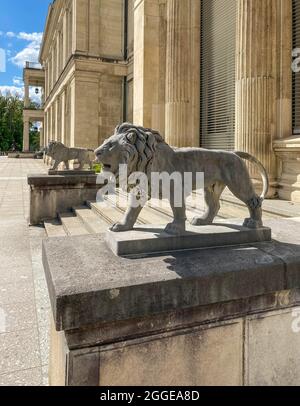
(34,139)
(11,122)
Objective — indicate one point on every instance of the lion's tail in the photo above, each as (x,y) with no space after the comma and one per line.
(263,172)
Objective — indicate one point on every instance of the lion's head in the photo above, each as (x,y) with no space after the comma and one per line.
(130,145)
(54,147)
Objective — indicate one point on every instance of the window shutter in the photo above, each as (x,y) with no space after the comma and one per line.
(218,45)
(296,76)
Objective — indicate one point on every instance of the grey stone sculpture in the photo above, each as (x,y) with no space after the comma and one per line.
(60,153)
(144,150)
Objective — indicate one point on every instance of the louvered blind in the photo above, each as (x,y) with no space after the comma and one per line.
(218,44)
(296,76)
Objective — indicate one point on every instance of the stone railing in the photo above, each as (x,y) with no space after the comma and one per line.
(33,65)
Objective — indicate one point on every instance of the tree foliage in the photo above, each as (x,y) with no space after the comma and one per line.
(11,122)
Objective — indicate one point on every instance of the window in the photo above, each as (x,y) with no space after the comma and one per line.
(218,45)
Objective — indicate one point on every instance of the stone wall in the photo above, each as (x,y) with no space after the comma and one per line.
(110,105)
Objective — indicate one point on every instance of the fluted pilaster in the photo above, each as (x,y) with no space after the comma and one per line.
(256,82)
(183,72)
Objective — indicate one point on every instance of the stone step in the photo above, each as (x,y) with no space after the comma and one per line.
(148,215)
(72,224)
(273,208)
(108,212)
(92,222)
(54,228)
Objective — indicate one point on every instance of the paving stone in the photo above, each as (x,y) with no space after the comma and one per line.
(27,377)
(16,292)
(18,316)
(19,350)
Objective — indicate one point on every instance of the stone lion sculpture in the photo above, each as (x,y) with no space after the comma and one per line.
(144,150)
(60,153)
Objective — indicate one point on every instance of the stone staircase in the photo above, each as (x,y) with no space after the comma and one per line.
(95,217)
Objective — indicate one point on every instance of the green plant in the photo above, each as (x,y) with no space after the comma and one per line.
(97,168)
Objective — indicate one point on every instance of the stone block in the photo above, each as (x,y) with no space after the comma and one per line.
(50,194)
(196,357)
(88,284)
(272,350)
(152,238)
(215,316)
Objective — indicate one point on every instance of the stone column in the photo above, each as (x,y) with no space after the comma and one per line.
(149,64)
(63,112)
(26,135)
(41,137)
(183,73)
(65,38)
(256,82)
(26,95)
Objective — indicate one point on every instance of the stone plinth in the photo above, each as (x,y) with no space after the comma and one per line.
(217,316)
(70,172)
(149,239)
(50,194)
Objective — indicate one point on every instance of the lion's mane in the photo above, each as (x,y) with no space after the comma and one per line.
(140,145)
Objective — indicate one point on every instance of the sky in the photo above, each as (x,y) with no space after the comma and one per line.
(21,28)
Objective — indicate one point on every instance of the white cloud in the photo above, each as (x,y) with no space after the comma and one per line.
(19,91)
(10,34)
(13,90)
(32,37)
(31,52)
(1,33)
(18,81)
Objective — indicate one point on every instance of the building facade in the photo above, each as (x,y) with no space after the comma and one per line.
(210,73)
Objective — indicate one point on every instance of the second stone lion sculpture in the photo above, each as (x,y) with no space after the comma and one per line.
(60,153)
(144,150)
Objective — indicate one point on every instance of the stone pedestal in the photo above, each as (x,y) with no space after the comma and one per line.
(50,194)
(288,153)
(148,239)
(218,316)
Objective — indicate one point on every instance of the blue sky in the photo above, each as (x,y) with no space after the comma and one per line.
(21,26)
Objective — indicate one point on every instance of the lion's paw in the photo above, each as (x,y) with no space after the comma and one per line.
(117,227)
(250,223)
(175,228)
(200,221)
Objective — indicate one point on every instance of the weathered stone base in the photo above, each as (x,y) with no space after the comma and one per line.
(221,316)
(152,238)
(234,343)
(50,194)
